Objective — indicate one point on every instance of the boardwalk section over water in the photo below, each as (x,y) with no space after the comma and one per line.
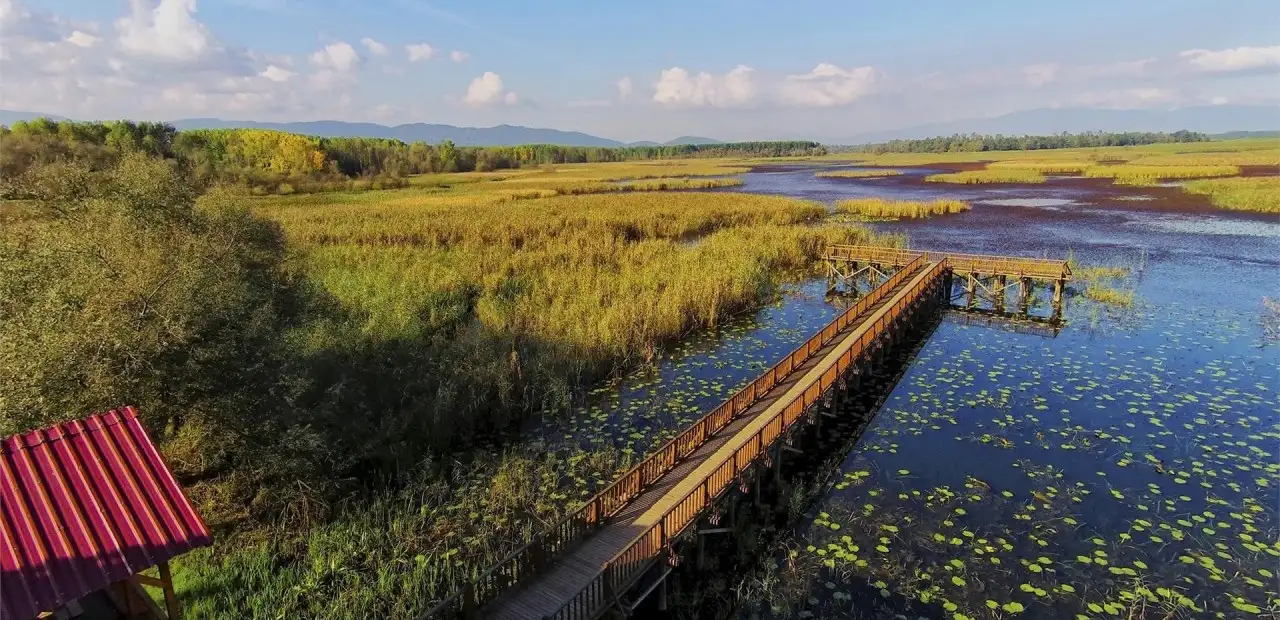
(618,547)
(991,276)
(587,562)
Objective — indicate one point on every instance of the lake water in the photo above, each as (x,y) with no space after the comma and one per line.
(1127,467)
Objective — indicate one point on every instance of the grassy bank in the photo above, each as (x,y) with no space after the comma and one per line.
(1043,167)
(1261,194)
(856,174)
(881,208)
(456,312)
(1133,174)
(970,177)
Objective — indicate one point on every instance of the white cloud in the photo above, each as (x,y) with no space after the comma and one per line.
(418,52)
(277,74)
(624,87)
(374,47)
(1041,74)
(828,85)
(167,31)
(459,56)
(384,112)
(676,87)
(339,57)
(488,88)
(1236,59)
(1122,69)
(1219,100)
(1128,98)
(10,12)
(79,38)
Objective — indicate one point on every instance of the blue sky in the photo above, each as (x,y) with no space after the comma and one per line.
(650,70)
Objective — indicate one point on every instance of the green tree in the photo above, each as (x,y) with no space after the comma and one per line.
(123,289)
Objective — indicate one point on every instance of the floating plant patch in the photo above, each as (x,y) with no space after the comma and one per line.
(1131,471)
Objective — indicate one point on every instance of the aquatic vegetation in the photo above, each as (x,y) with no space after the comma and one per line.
(1260,194)
(1101,478)
(882,208)
(970,177)
(1270,319)
(1238,152)
(1264,154)
(856,174)
(486,301)
(1130,174)
(1091,273)
(1043,167)
(1108,294)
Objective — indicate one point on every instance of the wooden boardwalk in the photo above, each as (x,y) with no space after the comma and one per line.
(588,562)
(594,559)
(574,574)
(978,264)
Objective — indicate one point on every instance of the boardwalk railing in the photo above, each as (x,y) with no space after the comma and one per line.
(625,568)
(960,263)
(528,561)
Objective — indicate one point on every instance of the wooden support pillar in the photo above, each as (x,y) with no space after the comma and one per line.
(662,595)
(171,605)
(1024,296)
(759,483)
(702,551)
(777,463)
(1001,282)
(1058,286)
(971,289)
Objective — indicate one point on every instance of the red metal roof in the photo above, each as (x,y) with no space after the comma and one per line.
(83,505)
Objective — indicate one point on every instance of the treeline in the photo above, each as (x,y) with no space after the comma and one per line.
(275,161)
(979,142)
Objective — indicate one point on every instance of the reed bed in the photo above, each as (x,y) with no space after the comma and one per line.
(1262,157)
(1260,194)
(512,305)
(972,177)
(856,174)
(1131,174)
(1109,295)
(919,209)
(1043,167)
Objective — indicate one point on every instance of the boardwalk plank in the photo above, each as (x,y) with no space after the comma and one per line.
(574,572)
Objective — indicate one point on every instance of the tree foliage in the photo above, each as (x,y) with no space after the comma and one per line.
(126,289)
(979,142)
(277,161)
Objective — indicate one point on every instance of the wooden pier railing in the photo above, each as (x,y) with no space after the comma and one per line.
(620,573)
(525,563)
(1012,266)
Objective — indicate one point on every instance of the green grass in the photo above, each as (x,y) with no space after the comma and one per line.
(487,299)
(1238,152)
(971,177)
(856,174)
(1130,174)
(1261,194)
(1109,295)
(1043,167)
(881,208)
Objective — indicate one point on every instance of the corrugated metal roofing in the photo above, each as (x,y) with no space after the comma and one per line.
(83,505)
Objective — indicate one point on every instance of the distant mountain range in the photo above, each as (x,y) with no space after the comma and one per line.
(1209,119)
(502,135)
(1043,121)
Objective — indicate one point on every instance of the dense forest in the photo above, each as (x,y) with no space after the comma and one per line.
(978,142)
(280,162)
